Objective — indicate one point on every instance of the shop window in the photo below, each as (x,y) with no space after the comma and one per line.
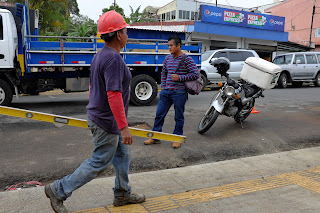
(180,14)
(1,28)
(235,56)
(301,58)
(163,17)
(193,16)
(168,16)
(187,15)
(311,59)
(173,15)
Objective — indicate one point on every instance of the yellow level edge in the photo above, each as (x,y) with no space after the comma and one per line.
(32,115)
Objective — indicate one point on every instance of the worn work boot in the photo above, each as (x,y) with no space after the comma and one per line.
(151,141)
(176,145)
(132,199)
(56,204)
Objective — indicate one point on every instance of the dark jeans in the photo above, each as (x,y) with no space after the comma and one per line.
(176,97)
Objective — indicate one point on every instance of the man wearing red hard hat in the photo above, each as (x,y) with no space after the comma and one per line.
(107,110)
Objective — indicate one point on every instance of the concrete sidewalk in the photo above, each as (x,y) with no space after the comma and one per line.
(280,182)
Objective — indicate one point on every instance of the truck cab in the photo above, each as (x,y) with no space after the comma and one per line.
(8,40)
(8,55)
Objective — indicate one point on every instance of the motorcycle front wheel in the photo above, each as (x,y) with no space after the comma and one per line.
(208,120)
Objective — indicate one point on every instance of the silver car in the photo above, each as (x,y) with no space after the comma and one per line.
(236,58)
(298,67)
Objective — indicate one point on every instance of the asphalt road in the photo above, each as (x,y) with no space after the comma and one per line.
(30,150)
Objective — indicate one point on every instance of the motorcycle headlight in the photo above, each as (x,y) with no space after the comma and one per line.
(229,91)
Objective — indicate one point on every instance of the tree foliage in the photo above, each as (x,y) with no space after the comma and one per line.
(82,26)
(54,14)
(137,16)
(117,9)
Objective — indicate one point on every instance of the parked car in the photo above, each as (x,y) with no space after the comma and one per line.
(298,67)
(237,57)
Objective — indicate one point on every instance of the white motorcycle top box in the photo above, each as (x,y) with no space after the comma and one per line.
(260,72)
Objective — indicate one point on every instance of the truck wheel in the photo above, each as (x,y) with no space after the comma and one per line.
(204,81)
(317,80)
(5,93)
(283,80)
(144,90)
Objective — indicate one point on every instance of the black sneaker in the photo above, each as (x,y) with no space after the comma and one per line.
(132,199)
(56,204)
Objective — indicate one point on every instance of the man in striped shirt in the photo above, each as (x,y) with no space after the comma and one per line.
(173,89)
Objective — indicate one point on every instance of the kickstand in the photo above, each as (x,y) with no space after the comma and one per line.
(241,125)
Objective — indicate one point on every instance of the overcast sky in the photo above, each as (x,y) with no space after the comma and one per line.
(93,8)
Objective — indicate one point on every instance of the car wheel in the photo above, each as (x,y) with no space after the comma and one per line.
(283,80)
(204,81)
(317,80)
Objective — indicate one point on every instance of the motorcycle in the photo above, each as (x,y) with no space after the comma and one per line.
(234,99)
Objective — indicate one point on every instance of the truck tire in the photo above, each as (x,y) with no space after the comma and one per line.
(144,90)
(204,80)
(5,93)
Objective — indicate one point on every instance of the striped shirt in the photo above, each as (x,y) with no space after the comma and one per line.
(188,71)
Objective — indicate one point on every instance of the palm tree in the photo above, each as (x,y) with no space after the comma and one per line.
(82,26)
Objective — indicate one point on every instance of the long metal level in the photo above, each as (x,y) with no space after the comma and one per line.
(21,113)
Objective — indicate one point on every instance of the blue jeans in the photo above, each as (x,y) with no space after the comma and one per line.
(176,97)
(108,148)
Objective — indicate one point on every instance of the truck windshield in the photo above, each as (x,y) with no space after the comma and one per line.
(1,28)
(205,56)
(283,59)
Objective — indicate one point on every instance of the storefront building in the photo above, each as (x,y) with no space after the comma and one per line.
(220,28)
(227,28)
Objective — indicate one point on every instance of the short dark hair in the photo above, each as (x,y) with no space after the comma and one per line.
(176,39)
(109,36)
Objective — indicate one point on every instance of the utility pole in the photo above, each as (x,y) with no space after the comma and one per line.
(313,11)
(114,3)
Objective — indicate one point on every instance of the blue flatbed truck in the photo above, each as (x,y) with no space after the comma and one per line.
(30,65)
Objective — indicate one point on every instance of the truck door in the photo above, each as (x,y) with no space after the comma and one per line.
(299,70)
(4,44)
(312,65)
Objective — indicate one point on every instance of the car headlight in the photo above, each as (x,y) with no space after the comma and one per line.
(229,91)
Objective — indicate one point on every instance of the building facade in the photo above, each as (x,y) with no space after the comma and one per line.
(298,14)
(183,10)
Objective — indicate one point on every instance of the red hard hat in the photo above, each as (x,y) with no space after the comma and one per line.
(111,21)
